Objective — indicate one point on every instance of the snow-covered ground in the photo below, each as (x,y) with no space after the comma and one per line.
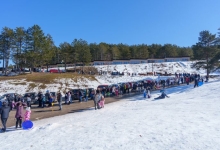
(63,85)
(188,120)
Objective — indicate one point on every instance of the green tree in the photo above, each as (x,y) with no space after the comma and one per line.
(114,51)
(83,51)
(103,51)
(47,52)
(153,50)
(18,45)
(124,51)
(65,53)
(34,45)
(168,50)
(205,50)
(142,51)
(94,50)
(185,51)
(6,42)
(133,50)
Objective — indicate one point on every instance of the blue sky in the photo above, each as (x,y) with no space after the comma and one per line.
(116,21)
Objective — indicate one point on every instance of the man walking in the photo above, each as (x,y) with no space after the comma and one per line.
(59,99)
(4,111)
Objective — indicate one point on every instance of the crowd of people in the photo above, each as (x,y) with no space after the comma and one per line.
(18,102)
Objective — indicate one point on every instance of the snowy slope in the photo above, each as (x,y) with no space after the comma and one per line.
(169,67)
(188,120)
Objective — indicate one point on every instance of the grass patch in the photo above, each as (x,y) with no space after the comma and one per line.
(47,78)
(42,86)
(31,86)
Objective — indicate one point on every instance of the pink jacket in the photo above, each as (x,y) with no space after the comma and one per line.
(27,115)
(102,102)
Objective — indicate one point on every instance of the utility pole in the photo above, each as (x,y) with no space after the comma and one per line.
(152,68)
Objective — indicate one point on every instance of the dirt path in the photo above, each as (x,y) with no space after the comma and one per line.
(41,113)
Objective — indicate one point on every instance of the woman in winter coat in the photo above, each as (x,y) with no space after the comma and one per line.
(19,113)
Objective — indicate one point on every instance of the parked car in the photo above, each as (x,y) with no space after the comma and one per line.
(90,91)
(33,96)
(75,94)
(100,87)
(115,85)
(11,95)
(56,71)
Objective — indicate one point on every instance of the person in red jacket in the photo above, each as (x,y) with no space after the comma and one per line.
(187,80)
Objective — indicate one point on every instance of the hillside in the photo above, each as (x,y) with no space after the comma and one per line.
(188,120)
(62,82)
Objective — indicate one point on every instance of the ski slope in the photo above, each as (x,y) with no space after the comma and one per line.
(188,120)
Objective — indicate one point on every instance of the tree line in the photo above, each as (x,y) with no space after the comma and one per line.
(31,48)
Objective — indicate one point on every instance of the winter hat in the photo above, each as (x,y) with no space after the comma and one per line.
(28,109)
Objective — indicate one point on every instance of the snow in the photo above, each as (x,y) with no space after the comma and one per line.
(188,120)
(64,85)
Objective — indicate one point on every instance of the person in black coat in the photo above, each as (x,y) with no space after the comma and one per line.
(162,96)
(40,97)
(4,111)
(9,100)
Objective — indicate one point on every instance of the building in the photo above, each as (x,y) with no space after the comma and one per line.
(176,59)
(124,61)
(138,61)
(120,62)
(101,62)
(155,60)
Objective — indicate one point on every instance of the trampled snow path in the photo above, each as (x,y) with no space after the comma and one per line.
(188,120)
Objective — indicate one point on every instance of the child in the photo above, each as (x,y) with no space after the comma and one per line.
(116,91)
(145,93)
(50,101)
(148,91)
(27,114)
(43,101)
(102,102)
